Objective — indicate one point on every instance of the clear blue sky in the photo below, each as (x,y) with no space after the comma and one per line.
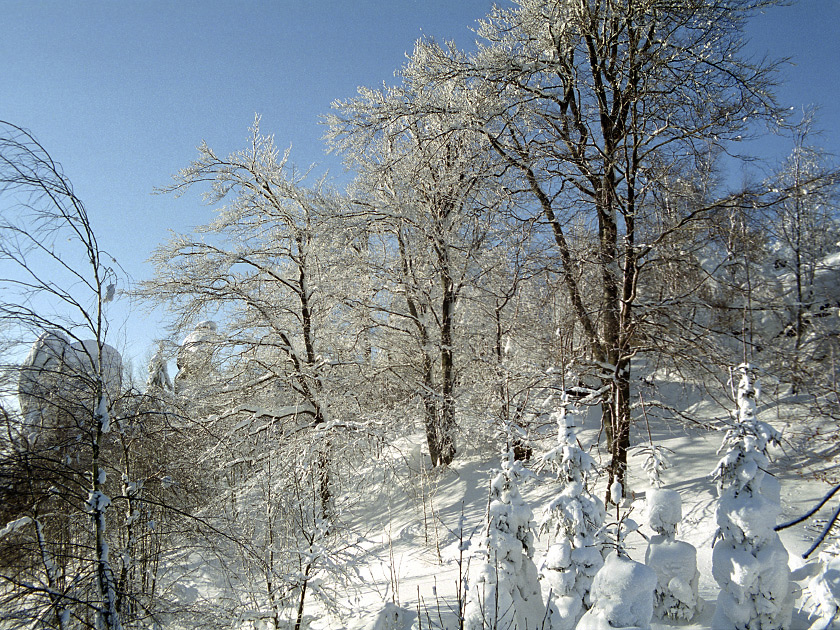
(122,92)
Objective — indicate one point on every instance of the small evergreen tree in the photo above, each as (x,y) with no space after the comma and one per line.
(824,590)
(675,561)
(622,595)
(749,561)
(575,518)
(506,592)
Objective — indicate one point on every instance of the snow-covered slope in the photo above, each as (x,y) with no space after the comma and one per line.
(421,527)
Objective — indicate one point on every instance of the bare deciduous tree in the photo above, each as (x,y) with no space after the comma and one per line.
(55,286)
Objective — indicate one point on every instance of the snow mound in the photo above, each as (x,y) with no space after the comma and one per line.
(622,596)
(675,563)
(664,510)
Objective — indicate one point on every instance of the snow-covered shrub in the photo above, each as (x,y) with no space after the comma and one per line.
(664,511)
(505,594)
(824,590)
(622,595)
(622,591)
(574,518)
(674,561)
(749,561)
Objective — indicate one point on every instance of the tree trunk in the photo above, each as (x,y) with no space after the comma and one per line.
(446,430)
(301,601)
(619,431)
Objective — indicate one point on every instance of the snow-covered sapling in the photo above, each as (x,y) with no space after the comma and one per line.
(749,561)
(824,590)
(655,462)
(574,518)
(505,594)
(622,595)
(674,561)
(622,591)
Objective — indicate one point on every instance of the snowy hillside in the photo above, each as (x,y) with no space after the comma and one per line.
(508,378)
(414,555)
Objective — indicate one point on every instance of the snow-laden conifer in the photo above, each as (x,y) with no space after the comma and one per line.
(505,594)
(622,591)
(823,592)
(574,518)
(674,561)
(622,595)
(749,561)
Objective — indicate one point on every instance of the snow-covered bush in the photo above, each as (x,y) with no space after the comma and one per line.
(674,561)
(622,595)
(664,511)
(505,594)
(574,518)
(622,591)
(749,561)
(824,590)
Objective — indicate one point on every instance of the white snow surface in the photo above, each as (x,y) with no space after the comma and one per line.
(419,530)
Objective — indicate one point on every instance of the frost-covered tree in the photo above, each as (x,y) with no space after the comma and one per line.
(804,225)
(597,107)
(55,287)
(575,519)
(266,381)
(425,188)
(268,268)
(797,323)
(749,561)
(505,591)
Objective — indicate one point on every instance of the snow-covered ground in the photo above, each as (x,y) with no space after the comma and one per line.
(413,522)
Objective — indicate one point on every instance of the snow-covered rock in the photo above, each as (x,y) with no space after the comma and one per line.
(195,356)
(58,376)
